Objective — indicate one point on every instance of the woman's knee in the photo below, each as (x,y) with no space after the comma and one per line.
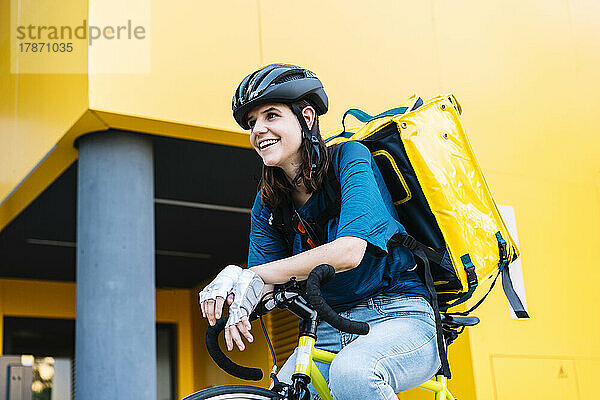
(351,374)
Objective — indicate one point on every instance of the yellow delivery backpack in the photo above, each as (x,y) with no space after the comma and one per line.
(441,196)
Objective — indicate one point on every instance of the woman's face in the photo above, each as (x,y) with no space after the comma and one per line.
(276,135)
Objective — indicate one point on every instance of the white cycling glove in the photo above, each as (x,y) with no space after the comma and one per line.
(247,291)
(222,285)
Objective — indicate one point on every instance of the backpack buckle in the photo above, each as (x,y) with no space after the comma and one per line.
(502,250)
(408,241)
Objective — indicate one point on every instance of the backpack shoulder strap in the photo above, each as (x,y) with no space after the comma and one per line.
(281,220)
(423,255)
(332,189)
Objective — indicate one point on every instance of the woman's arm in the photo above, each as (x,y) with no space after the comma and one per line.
(342,254)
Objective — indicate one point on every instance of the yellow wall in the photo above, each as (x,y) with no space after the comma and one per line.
(525,73)
(36,109)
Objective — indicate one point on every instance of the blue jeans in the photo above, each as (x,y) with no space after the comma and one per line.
(399,353)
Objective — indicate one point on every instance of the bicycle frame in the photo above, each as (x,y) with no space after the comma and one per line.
(307,354)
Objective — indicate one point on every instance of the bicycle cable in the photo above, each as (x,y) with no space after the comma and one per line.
(262,324)
(268,341)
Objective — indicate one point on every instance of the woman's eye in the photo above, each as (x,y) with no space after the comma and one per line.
(271,115)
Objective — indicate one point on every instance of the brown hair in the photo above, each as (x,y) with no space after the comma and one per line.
(276,187)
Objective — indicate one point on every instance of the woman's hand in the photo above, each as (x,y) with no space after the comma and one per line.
(234,333)
(247,293)
(212,297)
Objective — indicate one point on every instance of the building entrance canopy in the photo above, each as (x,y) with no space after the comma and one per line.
(203,195)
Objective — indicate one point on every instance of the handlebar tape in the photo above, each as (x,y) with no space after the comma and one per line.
(212,344)
(319,276)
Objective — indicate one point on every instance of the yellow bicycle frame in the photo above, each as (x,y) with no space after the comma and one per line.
(307,354)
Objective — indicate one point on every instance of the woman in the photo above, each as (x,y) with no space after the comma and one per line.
(280,104)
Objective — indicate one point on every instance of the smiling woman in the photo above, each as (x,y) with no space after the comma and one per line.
(343,216)
(285,101)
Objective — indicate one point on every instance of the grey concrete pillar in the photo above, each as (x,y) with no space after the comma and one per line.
(115,345)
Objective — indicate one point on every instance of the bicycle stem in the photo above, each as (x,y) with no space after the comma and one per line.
(309,317)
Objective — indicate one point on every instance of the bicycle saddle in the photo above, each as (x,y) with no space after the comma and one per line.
(455,321)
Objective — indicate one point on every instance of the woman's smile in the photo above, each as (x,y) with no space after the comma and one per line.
(267,143)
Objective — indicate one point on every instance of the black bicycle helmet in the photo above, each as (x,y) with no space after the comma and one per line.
(282,83)
(277,83)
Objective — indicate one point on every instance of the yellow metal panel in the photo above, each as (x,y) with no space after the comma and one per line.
(587,376)
(528,82)
(368,55)
(45,39)
(36,109)
(559,273)
(174,129)
(539,378)
(46,170)
(199,53)
(28,298)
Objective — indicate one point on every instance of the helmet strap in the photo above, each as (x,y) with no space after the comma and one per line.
(311,136)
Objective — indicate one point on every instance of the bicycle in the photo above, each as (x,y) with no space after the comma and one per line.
(310,310)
